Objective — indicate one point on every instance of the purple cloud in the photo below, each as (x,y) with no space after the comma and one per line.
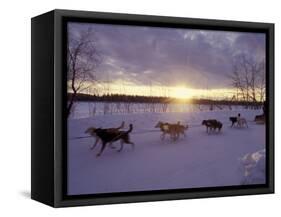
(170,56)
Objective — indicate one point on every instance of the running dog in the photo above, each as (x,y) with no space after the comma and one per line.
(181,129)
(233,120)
(111,136)
(92,133)
(260,119)
(166,128)
(212,125)
(242,122)
(174,130)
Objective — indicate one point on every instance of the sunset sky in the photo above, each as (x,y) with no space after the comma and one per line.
(180,63)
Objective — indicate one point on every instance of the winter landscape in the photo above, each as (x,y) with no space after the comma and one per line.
(165,83)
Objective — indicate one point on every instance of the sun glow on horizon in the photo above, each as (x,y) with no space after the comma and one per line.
(181,93)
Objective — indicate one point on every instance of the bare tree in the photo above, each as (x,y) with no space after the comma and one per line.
(257,82)
(248,78)
(261,81)
(82,59)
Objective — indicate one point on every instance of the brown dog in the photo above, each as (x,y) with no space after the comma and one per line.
(174,130)
(212,125)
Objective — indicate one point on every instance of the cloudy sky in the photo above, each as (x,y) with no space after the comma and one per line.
(168,57)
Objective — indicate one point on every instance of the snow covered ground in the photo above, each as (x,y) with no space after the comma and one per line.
(199,160)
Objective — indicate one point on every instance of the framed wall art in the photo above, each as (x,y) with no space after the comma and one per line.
(131,108)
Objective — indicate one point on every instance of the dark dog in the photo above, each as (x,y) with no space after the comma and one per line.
(212,125)
(233,120)
(110,130)
(260,119)
(107,137)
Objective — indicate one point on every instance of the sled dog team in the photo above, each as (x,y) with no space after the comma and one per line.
(109,135)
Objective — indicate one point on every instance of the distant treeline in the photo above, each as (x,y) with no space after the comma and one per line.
(153,99)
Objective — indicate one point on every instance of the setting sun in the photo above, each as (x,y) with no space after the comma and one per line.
(181,93)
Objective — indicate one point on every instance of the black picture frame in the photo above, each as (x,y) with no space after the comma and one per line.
(48,147)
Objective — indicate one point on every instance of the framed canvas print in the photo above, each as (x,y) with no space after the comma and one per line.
(131,108)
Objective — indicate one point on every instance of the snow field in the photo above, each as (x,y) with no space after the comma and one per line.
(199,160)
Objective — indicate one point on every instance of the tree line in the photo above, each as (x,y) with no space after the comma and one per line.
(82,97)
